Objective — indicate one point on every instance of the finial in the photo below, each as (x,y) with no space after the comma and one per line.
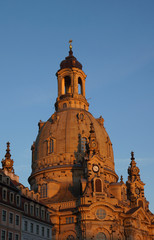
(121,178)
(70,41)
(8,155)
(70,46)
(132,156)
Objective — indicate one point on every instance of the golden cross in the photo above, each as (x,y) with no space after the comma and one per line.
(70,41)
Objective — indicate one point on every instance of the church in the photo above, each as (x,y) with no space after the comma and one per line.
(73,170)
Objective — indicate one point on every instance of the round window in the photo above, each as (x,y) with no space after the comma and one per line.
(100,213)
(100,236)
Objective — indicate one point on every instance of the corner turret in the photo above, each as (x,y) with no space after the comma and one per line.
(7,165)
(135,187)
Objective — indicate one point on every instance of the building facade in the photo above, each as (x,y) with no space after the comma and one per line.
(22,215)
(73,170)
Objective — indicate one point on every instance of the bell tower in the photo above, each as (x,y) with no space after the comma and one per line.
(71,84)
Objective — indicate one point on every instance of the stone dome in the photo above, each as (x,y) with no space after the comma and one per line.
(70,62)
(69,131)
(70,136)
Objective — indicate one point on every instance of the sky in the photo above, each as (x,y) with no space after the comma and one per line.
(114,41)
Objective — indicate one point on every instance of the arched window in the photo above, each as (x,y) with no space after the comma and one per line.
(101,236)
(140,203)
(50,146)
(83,144)
(43,191)
(64,105)
(70,237)
(79,86)
(98,185)
(67,84)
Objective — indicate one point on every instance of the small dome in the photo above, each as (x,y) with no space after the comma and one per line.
(70,62)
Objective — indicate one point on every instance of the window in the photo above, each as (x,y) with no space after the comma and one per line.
(1,177)
(48,217)
(11,197)
(65,105)
(48,233)
(140,203)
(37,211)
(37,229)
(16,236)
(10,236)
(18,200)
(4,194)
(26,226)
(100,213)
(42,231)
(101,235)
(4,215)
(79,86)
(42,214)
(26,207)
(83,144)
(43,190)
(50,146)
(17,220)
(67,85)
(70,220)
(3,235)
(98,185)
(31,227)
(8,180)
(70,237)
(31,209)
(11,218)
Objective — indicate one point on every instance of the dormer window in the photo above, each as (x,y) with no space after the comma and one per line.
(32,209)
(18,200)
(50,146)
(37,211)
(11,197)
(26,207)
(42,213)
(4,194)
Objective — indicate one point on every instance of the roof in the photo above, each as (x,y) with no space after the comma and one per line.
(66,193)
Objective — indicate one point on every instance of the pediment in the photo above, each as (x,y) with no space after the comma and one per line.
(96,159)
(139,213)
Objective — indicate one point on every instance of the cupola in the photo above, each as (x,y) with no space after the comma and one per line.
(71,84)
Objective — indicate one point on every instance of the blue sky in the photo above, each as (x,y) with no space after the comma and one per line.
(114,41)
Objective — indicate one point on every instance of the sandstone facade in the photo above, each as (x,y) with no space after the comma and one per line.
(73,170)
